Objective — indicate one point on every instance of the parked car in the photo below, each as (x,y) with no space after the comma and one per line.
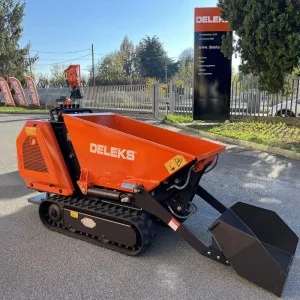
(286,109)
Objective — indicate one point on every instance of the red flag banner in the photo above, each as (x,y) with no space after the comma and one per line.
(19,92)
(6,92)
(32,91)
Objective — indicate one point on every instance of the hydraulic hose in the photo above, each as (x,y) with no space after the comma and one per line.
(193,210)
(185,184)
(215,164)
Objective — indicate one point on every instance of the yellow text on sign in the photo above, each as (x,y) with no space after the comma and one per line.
(175,163)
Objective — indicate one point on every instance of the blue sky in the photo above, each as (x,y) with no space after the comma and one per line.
(67,26)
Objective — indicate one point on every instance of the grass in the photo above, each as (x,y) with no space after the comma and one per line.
(15,109)
(267,133)
(182,118)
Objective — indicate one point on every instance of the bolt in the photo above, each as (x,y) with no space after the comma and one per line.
(177,180)
(125,199)
(136,190)
(227,262)
(179,208)
(208,253)
(152,193)
(218,257)
(71,155)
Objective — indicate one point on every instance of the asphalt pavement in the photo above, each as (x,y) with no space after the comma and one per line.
(36,263)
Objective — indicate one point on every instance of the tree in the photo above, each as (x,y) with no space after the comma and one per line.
(152,58)
(42,81)
(268,38)
(57,75)
(84,80)
(185,73)
(127,55)
(187,56)
(110,70)
(119,67)
(172,68)
(132,65)
(13,59)
(296,72)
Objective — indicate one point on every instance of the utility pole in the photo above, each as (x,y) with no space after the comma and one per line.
(93,65)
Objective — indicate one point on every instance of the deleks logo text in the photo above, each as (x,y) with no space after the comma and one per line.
(209,19)
(112,151)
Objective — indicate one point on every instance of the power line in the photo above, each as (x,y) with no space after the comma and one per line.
(55,59)
(157,56)
(58,63)
(54,52)
(62,62)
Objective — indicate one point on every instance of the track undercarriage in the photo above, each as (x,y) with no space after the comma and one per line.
(114,226)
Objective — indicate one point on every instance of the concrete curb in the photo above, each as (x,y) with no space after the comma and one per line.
(246,144)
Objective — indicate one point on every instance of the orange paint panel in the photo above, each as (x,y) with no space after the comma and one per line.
(209,19)
(40,161)
(187,144)
(116,150)
(72,75)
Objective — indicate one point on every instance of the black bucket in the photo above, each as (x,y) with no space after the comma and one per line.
(257,243)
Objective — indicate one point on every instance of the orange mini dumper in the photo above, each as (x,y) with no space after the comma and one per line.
(106,178)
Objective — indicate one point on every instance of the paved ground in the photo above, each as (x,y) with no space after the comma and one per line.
(38,264)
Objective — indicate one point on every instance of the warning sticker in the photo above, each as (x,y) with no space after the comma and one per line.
(30,130)
(74,214)
(175,163)
(174,224)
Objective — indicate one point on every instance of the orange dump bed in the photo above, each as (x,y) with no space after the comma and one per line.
(115,151)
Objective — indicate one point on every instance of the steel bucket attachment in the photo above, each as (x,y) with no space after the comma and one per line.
(254,241)
(257,243)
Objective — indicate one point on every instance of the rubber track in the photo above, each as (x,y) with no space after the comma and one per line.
(138,219)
